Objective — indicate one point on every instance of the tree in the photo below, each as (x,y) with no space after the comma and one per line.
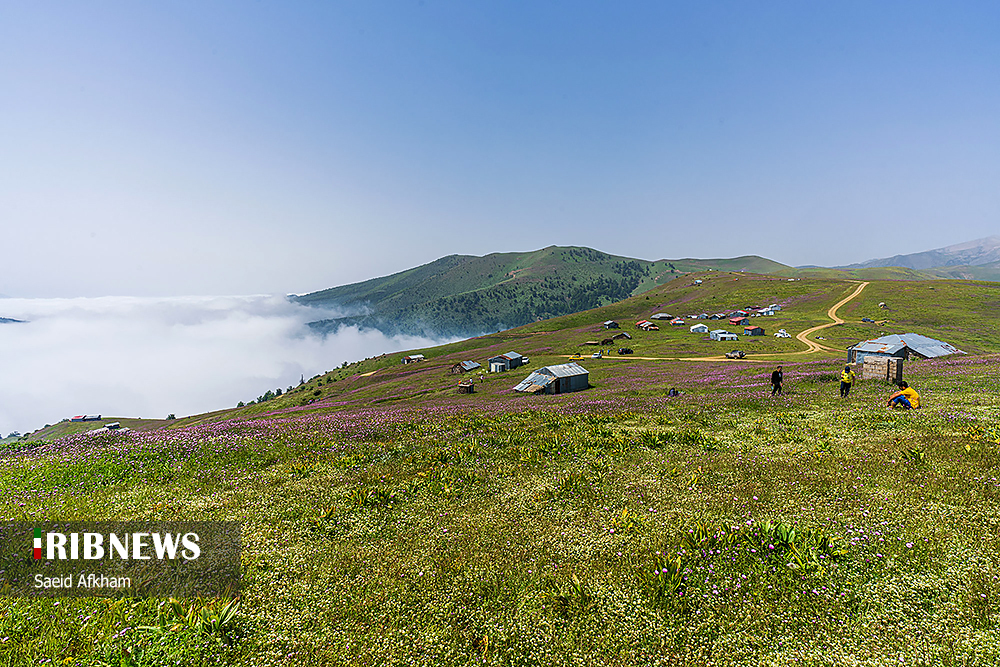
(171,416)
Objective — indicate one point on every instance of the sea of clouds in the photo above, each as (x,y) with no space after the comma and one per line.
(148,357)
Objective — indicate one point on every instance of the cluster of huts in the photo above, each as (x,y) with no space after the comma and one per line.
(737,318)
(497,364)
(557,379)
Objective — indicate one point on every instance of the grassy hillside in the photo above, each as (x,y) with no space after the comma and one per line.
(989,272)
(461,294)
(466,295)
(389,520)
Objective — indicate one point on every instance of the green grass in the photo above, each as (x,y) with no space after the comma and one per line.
(538,537)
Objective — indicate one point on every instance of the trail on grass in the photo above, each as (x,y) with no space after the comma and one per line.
(832,314)
(811,346)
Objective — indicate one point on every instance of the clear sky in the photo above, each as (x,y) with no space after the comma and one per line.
(169,148)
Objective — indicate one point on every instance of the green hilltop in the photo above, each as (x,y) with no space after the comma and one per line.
(467,295)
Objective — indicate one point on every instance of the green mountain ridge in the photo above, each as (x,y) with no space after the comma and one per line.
(468,295)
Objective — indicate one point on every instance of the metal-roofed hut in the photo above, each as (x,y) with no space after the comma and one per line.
(465,366)
(661,316)
(901,346)
(506,362)
(559,379)
(699,328)
(722,334)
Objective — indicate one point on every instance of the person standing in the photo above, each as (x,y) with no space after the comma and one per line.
(776,377)
(847,379)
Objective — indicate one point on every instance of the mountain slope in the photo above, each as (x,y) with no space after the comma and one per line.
(466,295)
(971,253)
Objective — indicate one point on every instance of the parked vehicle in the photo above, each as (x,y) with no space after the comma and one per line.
(596,355)
(624,350)
(735,354)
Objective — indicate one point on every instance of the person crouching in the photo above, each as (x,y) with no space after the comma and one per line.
(905,398)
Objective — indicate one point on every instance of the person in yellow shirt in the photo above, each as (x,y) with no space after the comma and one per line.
(847,379)
(906,397)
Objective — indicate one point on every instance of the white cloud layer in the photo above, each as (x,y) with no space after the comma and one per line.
(148,357)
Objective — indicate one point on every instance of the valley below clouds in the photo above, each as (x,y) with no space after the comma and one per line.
(148,357)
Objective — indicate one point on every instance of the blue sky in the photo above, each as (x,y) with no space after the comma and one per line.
(236,148)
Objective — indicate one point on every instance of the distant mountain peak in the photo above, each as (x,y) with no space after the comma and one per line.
(970,253)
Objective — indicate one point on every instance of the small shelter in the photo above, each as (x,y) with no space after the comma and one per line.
(465,366)
(506,362)
(739,320)
(677,322)
(610,324)
(466,387)
(623,334)
(699,328)
(889,369)
(559,379)
(661,316)
(413,358)
(901,346)
(753,331)
(722,334)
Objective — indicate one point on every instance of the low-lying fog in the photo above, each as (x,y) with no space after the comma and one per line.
(148,357)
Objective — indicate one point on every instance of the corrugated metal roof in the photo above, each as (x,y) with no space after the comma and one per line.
(922,345)
(511,355)
(469,365)
(534,382)
(877,347)
(564,370)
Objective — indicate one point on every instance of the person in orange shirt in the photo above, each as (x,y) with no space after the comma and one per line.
(906,397)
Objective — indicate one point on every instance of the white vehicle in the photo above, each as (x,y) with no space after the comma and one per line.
(782,334)
(596,355)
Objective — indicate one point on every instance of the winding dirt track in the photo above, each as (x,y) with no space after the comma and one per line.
(832,314)
(811,346)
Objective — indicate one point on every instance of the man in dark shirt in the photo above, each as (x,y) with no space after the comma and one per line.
(776,378)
